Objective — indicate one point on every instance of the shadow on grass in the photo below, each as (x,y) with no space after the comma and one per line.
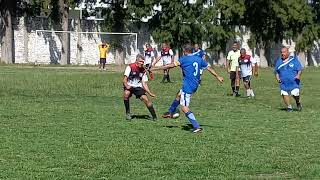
(137,116)
(187,127)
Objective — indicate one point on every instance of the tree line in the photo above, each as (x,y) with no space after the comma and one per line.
(180,21)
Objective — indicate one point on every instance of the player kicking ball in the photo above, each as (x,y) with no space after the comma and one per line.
(190,66)
(245,62)
(135,82)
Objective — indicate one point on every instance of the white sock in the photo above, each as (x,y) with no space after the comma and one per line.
(248,92)
(289,107)
(252,94)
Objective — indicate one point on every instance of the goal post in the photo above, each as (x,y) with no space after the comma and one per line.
(83,47)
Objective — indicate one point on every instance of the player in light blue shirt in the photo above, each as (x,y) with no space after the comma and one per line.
(288,71)
(190,66)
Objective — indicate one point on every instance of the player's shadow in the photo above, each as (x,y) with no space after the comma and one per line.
(187,127)
(137,116)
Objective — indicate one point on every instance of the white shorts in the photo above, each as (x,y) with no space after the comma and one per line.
(166,61)
(294,92)
(185,98)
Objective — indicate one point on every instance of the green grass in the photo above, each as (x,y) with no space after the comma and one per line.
(61,123)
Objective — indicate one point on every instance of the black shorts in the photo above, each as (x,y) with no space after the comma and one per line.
(103,60)
(137,91)
(233,74)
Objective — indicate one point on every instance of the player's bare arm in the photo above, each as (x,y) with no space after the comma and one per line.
(214,73)
(125,82)
(278,78)
(255,69)
(168,66)
(146,88)
(298,76)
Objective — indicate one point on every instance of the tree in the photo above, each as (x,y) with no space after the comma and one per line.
(8,13)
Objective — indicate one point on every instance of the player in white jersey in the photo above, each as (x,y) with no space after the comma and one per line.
(246,63)
(149,58)
(167,58)
(135,82)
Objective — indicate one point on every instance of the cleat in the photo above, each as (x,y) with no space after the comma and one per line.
(167,115)
(128,116)
(197,130)
(289,110)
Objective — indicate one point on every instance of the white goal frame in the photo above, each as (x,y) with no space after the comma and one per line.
(85,32)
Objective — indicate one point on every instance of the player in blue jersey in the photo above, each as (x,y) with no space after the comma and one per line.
(190,66)
(197,51)
(288,71)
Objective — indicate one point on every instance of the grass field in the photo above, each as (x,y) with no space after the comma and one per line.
(69,123)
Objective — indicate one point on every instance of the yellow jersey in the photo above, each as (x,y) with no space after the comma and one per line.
(104,50)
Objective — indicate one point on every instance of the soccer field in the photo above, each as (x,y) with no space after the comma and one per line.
(69,123)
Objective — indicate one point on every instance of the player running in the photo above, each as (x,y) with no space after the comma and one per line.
(288,71)
(167,58)
(190,66)
(246,63)
(135,82)
(103,49)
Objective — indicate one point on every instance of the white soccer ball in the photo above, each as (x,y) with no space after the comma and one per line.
(175,115)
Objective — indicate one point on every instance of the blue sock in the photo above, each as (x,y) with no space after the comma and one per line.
(192,120)
(174,106)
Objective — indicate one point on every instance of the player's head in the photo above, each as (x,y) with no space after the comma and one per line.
(235,46)
(187,49)
(206,57)
(148,46)
(284,53)
(243,52)
(165,45)
(140,60)
(196,47)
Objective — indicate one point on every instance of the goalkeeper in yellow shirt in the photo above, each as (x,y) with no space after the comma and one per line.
(103,49)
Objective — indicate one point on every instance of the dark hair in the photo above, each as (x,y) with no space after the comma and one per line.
(139,56)
(187,47)
(242,49)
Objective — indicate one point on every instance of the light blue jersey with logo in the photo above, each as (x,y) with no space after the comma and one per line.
(287,72)
(191,66)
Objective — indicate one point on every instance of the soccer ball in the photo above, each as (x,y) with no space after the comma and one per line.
(175,115)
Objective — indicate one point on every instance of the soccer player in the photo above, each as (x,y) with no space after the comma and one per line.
(103,49)
(149,58)
(190,66)
(246,63)
(232,64)
(167,58)
(135,82)
(197,51)
(288,73)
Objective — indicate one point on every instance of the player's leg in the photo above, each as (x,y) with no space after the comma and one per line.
(286,100)
(173,106)
(100,63)
(164,76)
(140,93)
(296,95)
(246,83)
(233,82)
(237,84)
(104,63)
(184,102)
(168,76)
(126,97)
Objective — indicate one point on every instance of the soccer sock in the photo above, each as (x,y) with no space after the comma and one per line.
(152,112)
(297,98)
(173,106)
(289,106)
(251,92)
(127,106)
(248,92)
(237,89)
(192,119)
(103,65)
(168,78)
(233,89)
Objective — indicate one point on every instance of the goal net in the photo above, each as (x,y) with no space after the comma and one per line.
(83,47)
